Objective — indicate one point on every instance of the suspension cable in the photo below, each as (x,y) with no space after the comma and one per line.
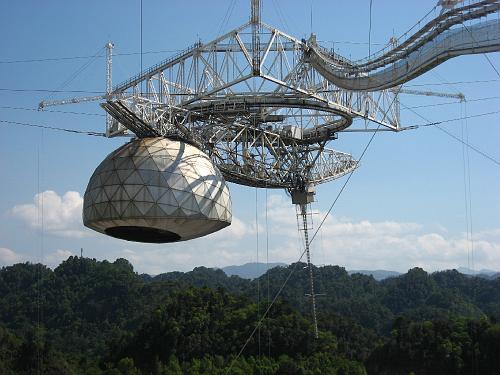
(51,111)
(66,58)
(455,102)
(40,219)
(141,43)
(469,188)
(310,241)
(464,169)
(484,54)
(226,17)
(268,276)
(295,265)
(436,124)
(257,250)
(454,83)
(84,132)
(72,77)
(370,31)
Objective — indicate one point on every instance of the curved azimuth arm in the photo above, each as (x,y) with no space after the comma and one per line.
(432,45)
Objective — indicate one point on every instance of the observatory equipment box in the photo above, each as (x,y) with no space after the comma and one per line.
(157,190)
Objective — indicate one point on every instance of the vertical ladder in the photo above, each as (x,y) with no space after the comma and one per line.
(305,227)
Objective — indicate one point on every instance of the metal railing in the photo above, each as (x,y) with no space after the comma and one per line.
(131,82)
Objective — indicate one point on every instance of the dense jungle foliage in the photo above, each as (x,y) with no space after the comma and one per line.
(100,318)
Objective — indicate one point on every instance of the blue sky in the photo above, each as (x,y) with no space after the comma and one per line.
(404,207)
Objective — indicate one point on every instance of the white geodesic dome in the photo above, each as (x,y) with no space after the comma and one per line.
(157,190)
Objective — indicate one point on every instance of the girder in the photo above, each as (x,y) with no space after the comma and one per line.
(247,149)
(264,105)
(223,68)
(264,124)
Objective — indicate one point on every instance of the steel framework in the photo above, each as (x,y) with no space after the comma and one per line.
(257,107)
(264,105)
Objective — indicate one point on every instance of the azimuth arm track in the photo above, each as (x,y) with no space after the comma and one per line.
(430,46)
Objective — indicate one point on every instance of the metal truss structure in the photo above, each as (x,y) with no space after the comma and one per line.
(438,40)
(256,106)
(264,105)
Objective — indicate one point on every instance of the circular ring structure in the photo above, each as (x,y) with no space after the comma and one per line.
(266,109)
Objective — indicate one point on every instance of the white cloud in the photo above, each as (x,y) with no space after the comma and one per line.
(354,244)
(60,215)
(158,260)
(8,257)
(237,230)
(391,245)
(56,257)
(53,259)
(232,245)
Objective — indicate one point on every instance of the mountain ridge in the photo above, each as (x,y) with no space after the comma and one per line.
(101,318)
(252,270)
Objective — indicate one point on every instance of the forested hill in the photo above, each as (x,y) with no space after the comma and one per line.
(374,304)
(91,317)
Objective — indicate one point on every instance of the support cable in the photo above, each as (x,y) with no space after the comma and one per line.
(450,103)
(65,58)
(436,124)
(295,265)
(471,237)
(141,45)
(38,297)
(484,54)
(69,91)
(40,218)
(281,16)
(257,250)
(428,123)
(51,111)
(311,20)
(453,83)
(226,17)
(72,77)
(312,239)
(418,23)
(8,89)
(369,49)
(466,206)
(482,153)
(370,32)
(469,189)
(91,133)
(268,277)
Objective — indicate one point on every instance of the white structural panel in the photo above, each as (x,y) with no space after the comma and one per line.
(157,190)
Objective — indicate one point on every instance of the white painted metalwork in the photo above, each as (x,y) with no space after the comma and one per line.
(264,105)
(433,44)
